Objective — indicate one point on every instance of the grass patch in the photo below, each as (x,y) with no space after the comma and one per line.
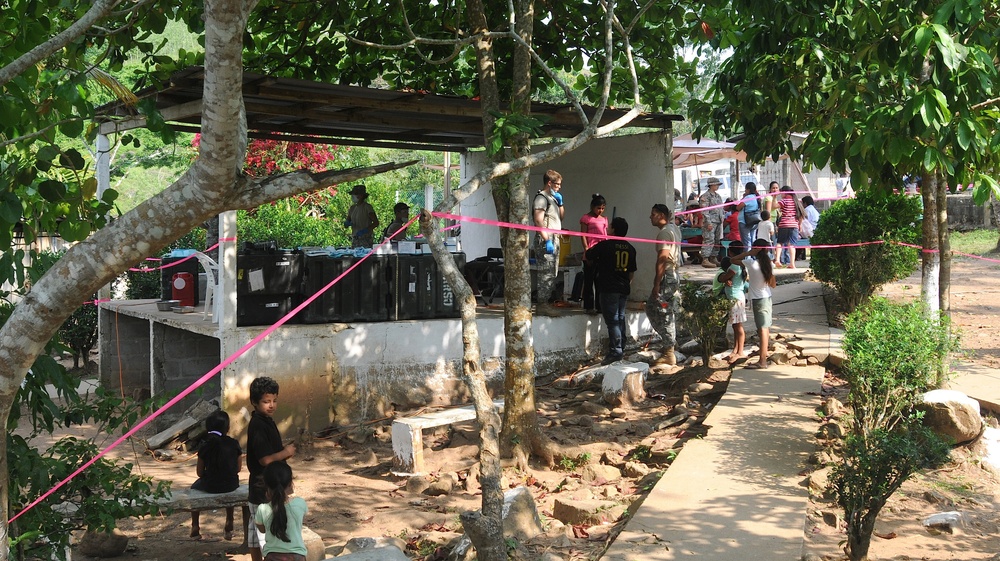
(975,242)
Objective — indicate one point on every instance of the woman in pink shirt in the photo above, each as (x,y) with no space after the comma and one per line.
(593,222)
(789,223)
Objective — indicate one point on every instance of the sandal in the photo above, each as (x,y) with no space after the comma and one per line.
(755,366)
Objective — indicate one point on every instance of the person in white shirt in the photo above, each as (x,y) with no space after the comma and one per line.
(767,230)
(762,280)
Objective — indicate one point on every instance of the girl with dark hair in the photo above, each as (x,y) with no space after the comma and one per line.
(732,279)
(280,518)
(220,460)
(789,223)
(762,280)
(594,222)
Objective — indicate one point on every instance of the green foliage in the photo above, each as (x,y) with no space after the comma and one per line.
(891,353)
(106,492)
(857,272)
(567,463)
(705,314)
(874,466)
(975,242)
(79,333)
(882,88)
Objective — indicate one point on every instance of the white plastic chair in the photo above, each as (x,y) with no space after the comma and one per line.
(214,278)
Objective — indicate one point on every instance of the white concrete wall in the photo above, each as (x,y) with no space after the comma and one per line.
(632,172)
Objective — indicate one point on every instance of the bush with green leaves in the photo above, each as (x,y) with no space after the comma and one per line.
(104,493)
(705,314)
(856,272)
(891,352)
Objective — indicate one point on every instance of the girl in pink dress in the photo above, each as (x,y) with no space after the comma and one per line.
(593,222)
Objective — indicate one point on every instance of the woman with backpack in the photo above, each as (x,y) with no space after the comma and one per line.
(749,215)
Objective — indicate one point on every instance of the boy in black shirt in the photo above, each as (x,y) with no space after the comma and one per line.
(220,460)
(615,266)
(263,447)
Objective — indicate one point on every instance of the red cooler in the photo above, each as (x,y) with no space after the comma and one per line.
(182,288)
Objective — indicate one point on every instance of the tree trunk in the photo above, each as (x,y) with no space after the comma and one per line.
(485,531)
(930,258)
(211,186)
(944,284)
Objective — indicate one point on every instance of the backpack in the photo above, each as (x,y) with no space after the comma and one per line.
(751,217)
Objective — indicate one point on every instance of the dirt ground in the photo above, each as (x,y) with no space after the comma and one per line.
(352,493)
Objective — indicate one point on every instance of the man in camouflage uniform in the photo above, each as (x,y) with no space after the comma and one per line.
(711,230)
(548,211)
(664,302)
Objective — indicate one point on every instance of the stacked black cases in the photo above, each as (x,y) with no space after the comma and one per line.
(418,291)
(187,265)
(360,295)
(268,286)
(412,285)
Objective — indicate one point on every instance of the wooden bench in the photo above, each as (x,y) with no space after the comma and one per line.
(408,441)
(190,500)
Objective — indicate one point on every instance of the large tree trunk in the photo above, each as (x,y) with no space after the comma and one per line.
(211,186)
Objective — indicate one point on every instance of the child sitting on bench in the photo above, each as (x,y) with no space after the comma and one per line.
(220,460)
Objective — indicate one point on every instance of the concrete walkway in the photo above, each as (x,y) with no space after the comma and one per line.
(736,495)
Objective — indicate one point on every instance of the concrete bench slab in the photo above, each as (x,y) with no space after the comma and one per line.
(407,440)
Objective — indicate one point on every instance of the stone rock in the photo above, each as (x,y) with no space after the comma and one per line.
(103,544)
(619,413)
(367,458)
(586,511)
(388,553)
(520,521)
(549,556)
(595,409)
(636,469)
(944,522)
(952,415)
(672,421)
(832,429)
(702,389)
(819,481)
(418,484)
(597,472)
(833,408)
(443,486)
(832,518)
(690,347)
(359,435)
(315,550)
(354,545)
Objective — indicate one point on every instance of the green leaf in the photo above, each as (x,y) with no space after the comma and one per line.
(72,159)
(10,208)
(74,230)
(72,129)
(985,185)
(52,190)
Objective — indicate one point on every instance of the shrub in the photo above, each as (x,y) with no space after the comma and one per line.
(79,333)
(857,272)
(891,352)
(289,226)
(705,314)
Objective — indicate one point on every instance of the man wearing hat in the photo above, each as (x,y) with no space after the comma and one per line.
(361,218)
(711,229)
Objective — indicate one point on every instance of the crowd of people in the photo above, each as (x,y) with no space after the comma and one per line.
(747,239)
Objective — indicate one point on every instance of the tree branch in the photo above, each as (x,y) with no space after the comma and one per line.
(98,11)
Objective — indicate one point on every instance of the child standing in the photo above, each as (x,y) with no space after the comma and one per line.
(280,518)
(264,448)
(733,278)
(220,460)
(761,282)
(767,230)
